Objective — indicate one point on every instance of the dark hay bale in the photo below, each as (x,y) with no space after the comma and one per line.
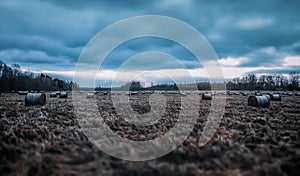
(63,94)
(275,97)
(244,93)
(23,92)
(90,95)
(34,99)
(262,101)
(207,96)
(53,94)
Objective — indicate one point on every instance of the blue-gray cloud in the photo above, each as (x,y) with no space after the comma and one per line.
(133,47)
(54,33)
(268,57)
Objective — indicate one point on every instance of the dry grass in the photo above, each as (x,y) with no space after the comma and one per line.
(250,140)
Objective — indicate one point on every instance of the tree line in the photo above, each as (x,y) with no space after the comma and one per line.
(14,79)
(278,82)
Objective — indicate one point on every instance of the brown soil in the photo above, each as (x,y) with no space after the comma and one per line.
(47,140)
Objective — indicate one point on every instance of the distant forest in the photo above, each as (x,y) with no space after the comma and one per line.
(279,82)
(12,78)
(266,82)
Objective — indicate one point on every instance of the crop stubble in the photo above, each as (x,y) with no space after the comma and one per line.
(49,140)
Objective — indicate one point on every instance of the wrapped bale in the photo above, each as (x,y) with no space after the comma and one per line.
(268,96)
(58,93)
(229,93)
(258,94)
(149,92)
(90,95)
(207,96)
(34,99)
(262,101)
(275,97)
(53,94)
(133,93)
(63,94)
(183,93)
(23,92)
(297,94)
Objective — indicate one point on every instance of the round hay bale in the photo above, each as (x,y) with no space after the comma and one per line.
(229,93)
(133,93)
(275,97)
(53,94)
(34,99)
(183,94)
(257,93)
(90,95)
(63,94)
(207,96)
(262,101)
(268,96)
(23,92)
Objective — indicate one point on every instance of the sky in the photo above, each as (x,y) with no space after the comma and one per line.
(261,37)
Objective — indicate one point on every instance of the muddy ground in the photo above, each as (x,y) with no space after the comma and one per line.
(48,140)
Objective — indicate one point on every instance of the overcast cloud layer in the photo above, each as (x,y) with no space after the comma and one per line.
(248,36)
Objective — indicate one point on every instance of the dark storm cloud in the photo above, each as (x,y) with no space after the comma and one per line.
(133,47)
(268,57)
(293,48)
(264,32)
(236,28)
(79,4)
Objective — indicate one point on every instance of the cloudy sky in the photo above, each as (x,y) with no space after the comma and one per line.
(248,37)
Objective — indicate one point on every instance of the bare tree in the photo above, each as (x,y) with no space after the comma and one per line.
(294,81)
(13,78)
(252,81)
(270,83)
(278,80)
